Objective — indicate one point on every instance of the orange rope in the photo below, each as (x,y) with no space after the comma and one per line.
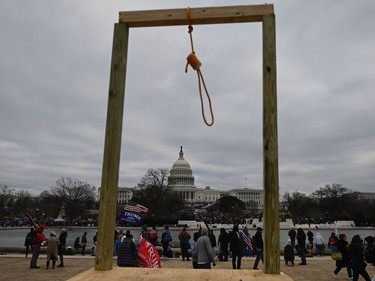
(196,64)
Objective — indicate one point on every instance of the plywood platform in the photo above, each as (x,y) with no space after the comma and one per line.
(165,274)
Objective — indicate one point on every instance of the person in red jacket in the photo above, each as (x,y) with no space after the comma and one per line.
(39,240)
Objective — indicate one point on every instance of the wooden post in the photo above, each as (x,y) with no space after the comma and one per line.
(112,150)
(270,150)
(112,146)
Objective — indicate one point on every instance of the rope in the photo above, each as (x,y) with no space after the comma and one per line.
(194,62)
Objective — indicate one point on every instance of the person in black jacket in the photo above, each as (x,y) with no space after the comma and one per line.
(236,247)
(292,236)
(301,240)
(29,240)
(84,242)
(223,242)
(212,237)
(258,246)
(127,252)
(357,258)
(343,248)
(62,246)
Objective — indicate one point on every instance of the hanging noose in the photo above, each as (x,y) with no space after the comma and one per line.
(194,62)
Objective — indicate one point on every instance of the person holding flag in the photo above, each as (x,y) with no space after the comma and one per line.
(247,241)
(236,247)
(40,239)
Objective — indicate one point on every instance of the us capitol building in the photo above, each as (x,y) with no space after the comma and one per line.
(182,180)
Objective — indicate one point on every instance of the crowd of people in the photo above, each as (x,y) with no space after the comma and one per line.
(353,256)
(56,246)
(202,247)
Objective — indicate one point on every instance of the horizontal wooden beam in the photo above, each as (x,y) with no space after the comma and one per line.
(209,15)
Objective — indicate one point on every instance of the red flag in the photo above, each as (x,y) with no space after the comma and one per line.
(148,256)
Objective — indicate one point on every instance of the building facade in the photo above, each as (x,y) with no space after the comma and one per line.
(182,181)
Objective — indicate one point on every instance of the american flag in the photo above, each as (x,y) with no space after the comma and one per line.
(135,207)
(247,239)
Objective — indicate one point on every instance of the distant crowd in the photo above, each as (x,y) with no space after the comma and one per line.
(204,249)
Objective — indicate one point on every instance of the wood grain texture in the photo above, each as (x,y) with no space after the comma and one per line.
(166,274)
(208,15)
(112,149)
(270,150)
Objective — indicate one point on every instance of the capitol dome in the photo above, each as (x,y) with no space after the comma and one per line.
(181,175)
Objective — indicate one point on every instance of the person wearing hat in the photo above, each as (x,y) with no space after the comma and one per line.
(258,246)
(52,249)
(62,246)
(39,240)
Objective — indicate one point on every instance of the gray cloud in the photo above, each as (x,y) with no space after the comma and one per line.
(54,77)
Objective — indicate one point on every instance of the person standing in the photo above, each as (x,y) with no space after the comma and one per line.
(194,259)
(310,238)
(184,238)
(62,247)
(153,235)
(84,242)
(319,241)
(127,252)
(145,233)
(259,247)
(356,249)
(203,250)
(332,242)
(235,247)
(166,238)
(29,239)
(212,237)
(52,249)
(301,242)
(39,240)
(343,248)
(223,242)
(292,235)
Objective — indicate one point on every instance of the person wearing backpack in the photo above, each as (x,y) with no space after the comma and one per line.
(332,242)
(30,237)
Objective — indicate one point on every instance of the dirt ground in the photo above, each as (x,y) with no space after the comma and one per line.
(16,268)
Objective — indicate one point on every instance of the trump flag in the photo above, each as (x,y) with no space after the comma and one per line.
(148,256)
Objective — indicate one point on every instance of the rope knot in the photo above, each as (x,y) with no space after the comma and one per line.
(193,60)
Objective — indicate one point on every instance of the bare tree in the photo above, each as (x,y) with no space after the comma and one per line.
(155,193)
(76,196)
(155,177)
(6,195)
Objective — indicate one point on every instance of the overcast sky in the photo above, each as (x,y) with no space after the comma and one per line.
(54,78)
